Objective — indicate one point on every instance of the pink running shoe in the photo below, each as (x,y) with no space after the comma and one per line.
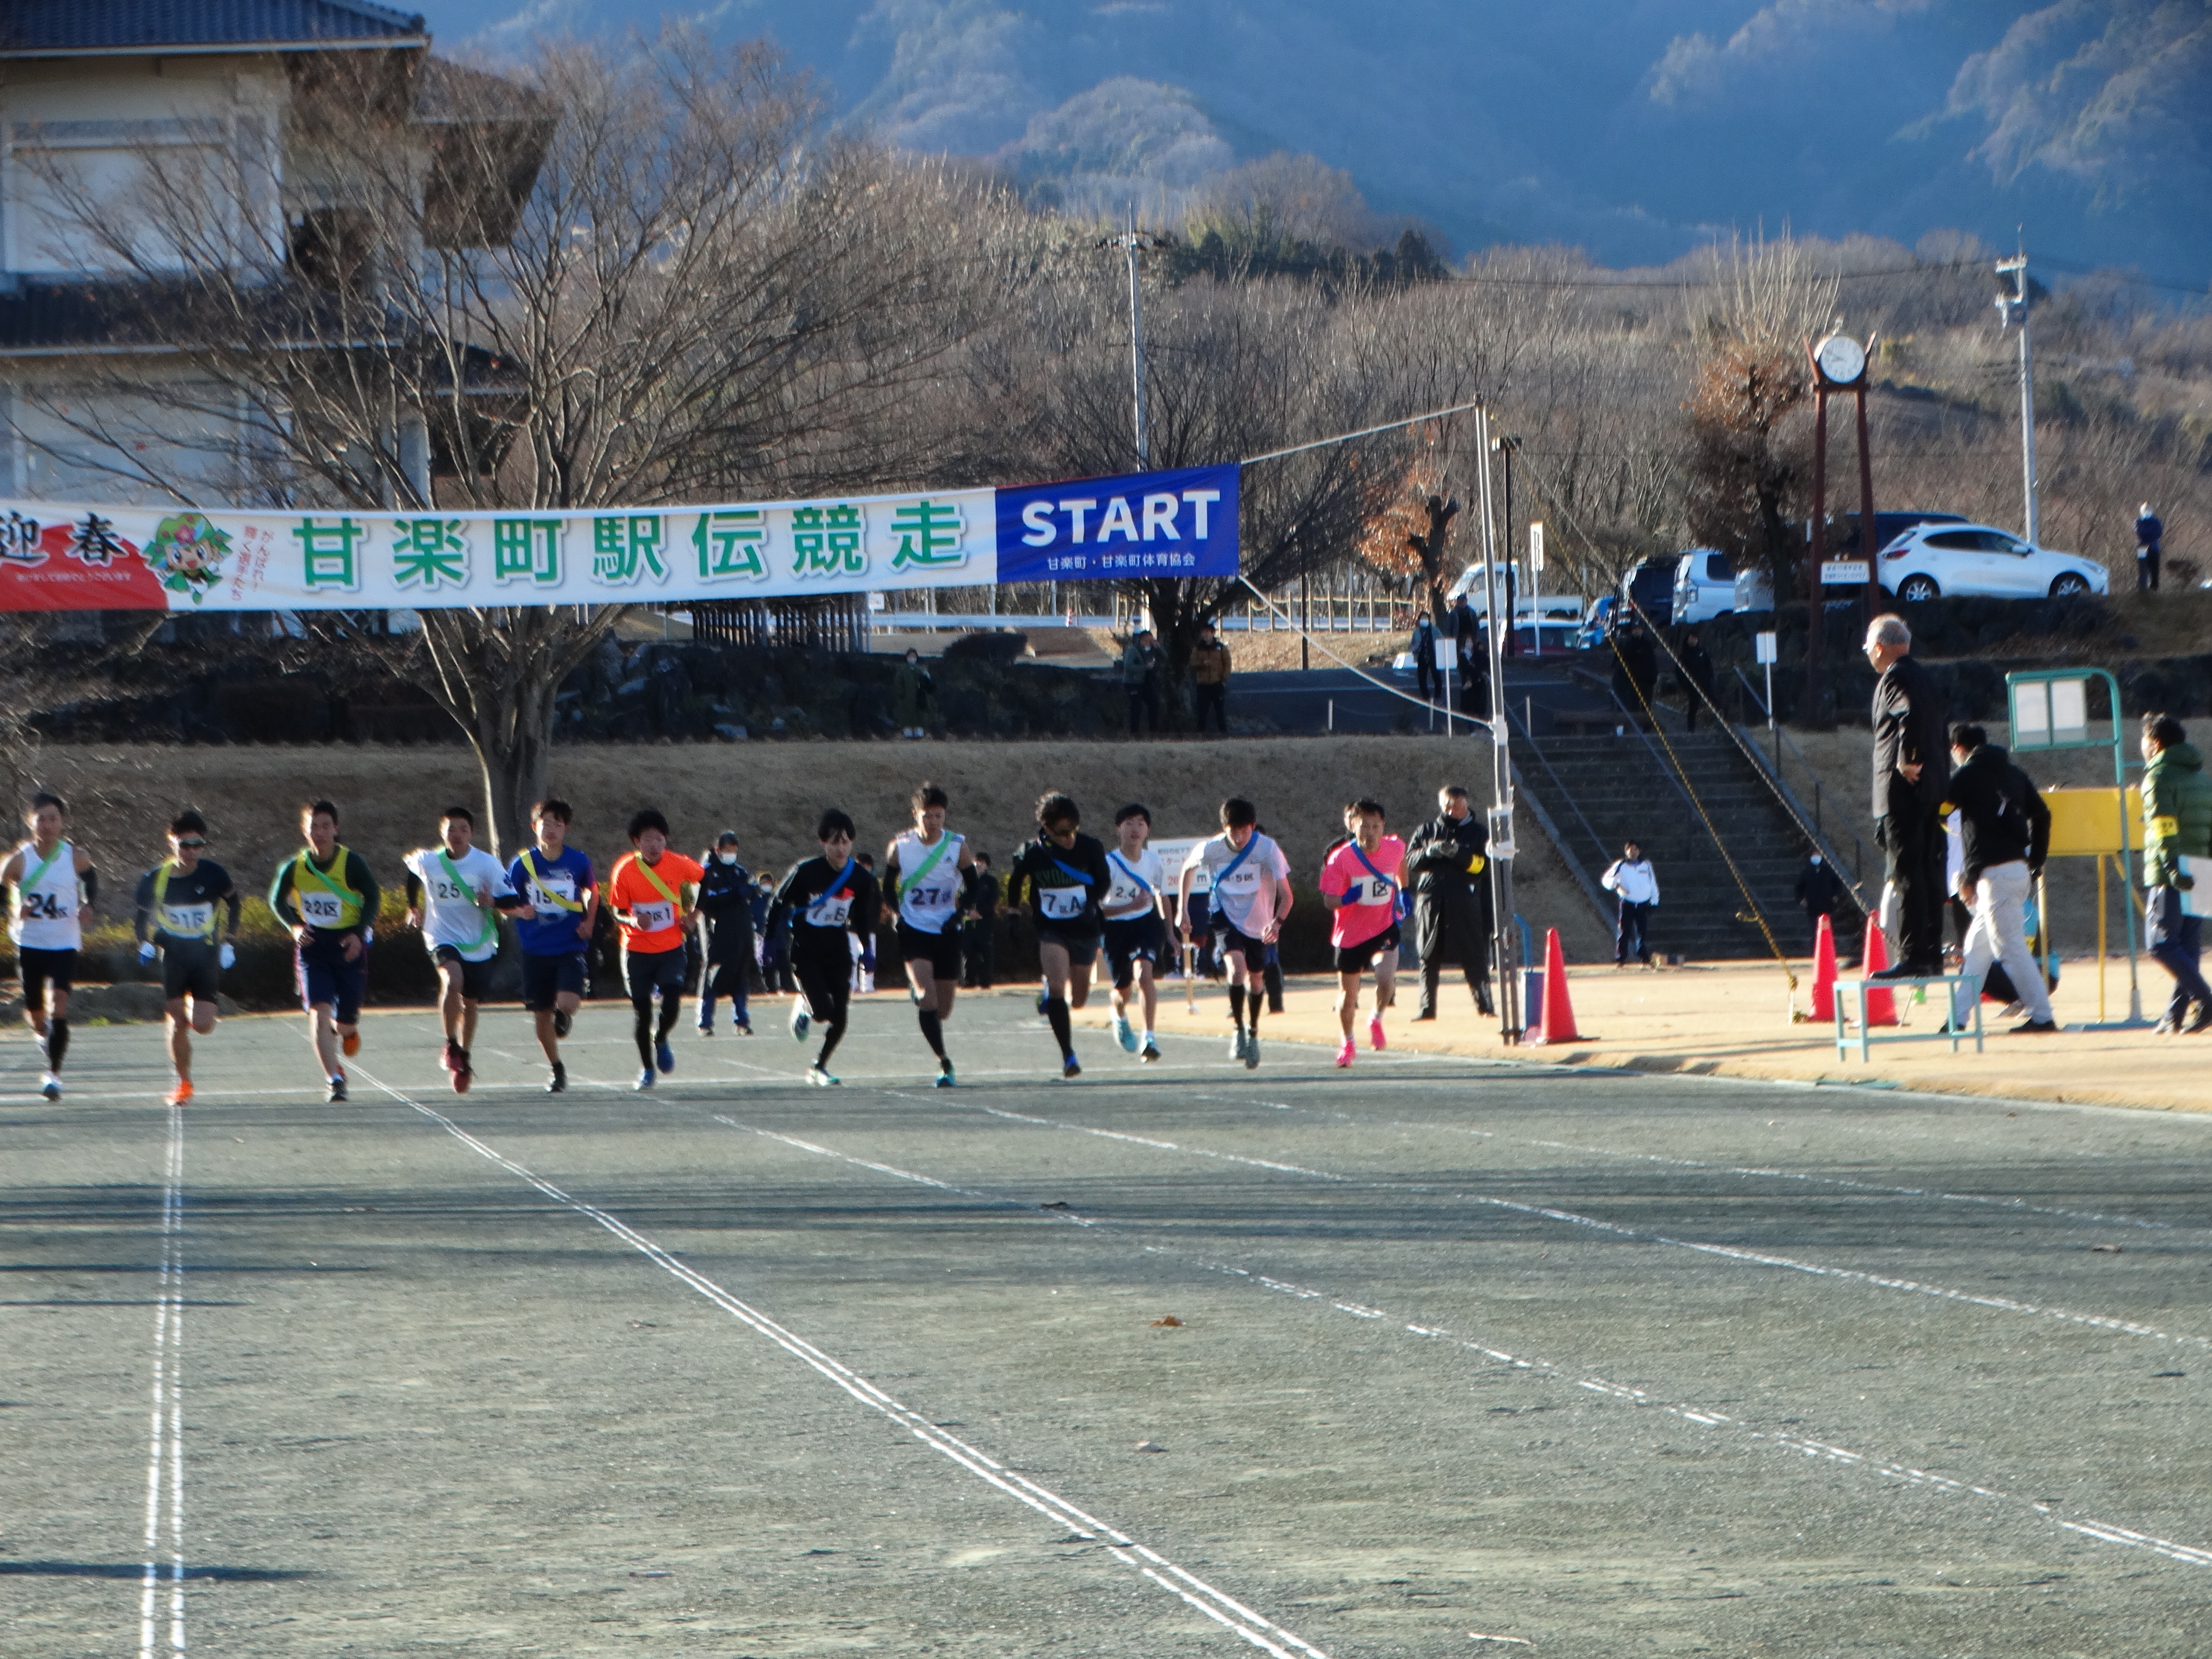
(1376,1039)
(1344,1054)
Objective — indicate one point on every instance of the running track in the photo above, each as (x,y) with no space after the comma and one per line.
(1471,1359)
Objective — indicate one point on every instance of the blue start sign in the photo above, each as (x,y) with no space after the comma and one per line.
(1180,523)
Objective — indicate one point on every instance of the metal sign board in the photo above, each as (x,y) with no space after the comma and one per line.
(1763,648)
(2049,711)
(1845,572)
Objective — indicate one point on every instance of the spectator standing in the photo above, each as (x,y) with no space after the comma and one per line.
(1633,879)
(1446,858)
(1428,679)
(726,934)
(1912,768)
(2150,540)
(1820,893)
(1140,665)
(1209,674)
(1635,667)
(2176,804)
(1473,668)
(979,925)
(1697,679)
(912,691)
(2005,832)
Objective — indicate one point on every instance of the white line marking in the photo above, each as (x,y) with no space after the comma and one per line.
(165,1453)
(1259,1632)
(1704,1416)
(1571,1217)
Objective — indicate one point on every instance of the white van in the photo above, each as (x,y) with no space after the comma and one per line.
(1704,586)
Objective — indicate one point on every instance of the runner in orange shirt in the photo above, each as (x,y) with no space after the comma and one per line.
(654,894)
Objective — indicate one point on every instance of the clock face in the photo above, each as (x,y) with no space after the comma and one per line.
(1842,358)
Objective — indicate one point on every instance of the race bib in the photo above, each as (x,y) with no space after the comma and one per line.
(187,920)
(318,909)
(1376,890)
(653,917)
(829,912)
(1060,903)
(552,892)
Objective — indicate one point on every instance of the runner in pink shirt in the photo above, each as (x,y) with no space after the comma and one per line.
(1363,883)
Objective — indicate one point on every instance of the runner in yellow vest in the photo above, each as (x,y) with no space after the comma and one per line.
(326,896)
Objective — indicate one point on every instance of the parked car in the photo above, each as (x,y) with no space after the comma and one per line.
(1650,583)
(1930,560)
(1598,625)
(1704,586)
(1754,588)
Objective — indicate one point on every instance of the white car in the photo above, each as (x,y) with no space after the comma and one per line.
(1931,560)
(1704,586)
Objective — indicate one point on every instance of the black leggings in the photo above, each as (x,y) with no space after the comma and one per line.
(662,971)
(827,984)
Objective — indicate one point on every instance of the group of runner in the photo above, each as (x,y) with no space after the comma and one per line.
(1084,898)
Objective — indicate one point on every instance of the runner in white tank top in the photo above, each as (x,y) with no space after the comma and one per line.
(926,870)
(50,885)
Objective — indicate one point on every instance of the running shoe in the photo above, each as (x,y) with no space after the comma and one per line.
(742,1027)
(820,1078)
(799,1018)
(1344,1054)
(463,1078)
(1070,1065)
(1236,1045)
(1251,1051)
(1043,1004)
(944,1078)
(644,1080)
(563,1022)
(338,1089)
(51,1086)
(558,1083)
(1125,1034)
(349,1043)
(182,1094)
(706,1028)
(451,1059)
(1376,1039)
(1151,1055)
(665,1055)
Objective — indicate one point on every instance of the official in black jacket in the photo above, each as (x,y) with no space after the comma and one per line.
(1448,861)
(1820,891)
(2006,832)
(726,934)
(1912,771)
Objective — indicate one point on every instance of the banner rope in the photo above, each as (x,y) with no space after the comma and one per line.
(1379,684)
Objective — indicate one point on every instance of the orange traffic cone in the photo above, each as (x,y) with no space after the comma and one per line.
(1882,1004)
(1824,973)
(1557,1025)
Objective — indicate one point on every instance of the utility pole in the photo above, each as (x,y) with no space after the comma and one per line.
(1505,935)
(1130,242)
(2007,303)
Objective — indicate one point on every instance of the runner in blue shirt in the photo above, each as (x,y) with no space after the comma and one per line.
(562,901)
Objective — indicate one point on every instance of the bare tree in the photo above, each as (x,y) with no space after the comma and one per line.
(638,278)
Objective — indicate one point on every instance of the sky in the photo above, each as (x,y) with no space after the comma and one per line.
(1634,130)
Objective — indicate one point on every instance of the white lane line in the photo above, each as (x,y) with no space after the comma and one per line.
(1754,1258)
(1261,1632)
(165,1454)
(1904,1473)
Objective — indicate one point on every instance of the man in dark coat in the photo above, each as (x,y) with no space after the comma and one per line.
(726,934)
(1447,861)
(1697,675)
(1635,667)
(1820,891)
(979,924)
(1912,771)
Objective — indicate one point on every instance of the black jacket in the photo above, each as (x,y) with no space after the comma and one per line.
(726,898)
(1451,903)
(1697,668)
(1819,889)
(1912,723)
(2002,818)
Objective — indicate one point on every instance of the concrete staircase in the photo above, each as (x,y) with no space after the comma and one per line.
(1600,790)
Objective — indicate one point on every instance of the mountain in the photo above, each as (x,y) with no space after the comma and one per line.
(1636,130)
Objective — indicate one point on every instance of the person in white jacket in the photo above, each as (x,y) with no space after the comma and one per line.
(1636,883)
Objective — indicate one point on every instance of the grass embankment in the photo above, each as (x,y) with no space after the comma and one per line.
(122,795)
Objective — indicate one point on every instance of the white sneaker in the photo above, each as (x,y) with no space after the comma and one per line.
(51,1086)
(1237,1047)
(820,1078)
(1125,1034)
(800,1019)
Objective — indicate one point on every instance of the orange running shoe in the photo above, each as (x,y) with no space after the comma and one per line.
(350,1042)
(182,1094)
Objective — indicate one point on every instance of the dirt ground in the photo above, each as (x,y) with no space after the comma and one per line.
(121,796)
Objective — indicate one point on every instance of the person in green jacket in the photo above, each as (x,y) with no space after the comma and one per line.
(2176,798)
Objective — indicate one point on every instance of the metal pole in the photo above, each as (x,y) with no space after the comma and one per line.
(1505,937)
(1870,544)
(2017,268)
(1816,554)
(1136,347)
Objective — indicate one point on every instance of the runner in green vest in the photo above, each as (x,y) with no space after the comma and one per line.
(326,896)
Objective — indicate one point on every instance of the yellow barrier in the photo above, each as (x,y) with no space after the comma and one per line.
(2087,821)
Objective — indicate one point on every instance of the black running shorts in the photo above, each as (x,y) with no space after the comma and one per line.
(1229,942)
(940,951)
(1139,939)
(1082,948)
(1356,958)
(544,978)
(42,968)
(190,967)
(476,976)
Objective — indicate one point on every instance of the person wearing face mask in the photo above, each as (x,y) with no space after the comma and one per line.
(1820,893)
(826,898)
(726,934)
